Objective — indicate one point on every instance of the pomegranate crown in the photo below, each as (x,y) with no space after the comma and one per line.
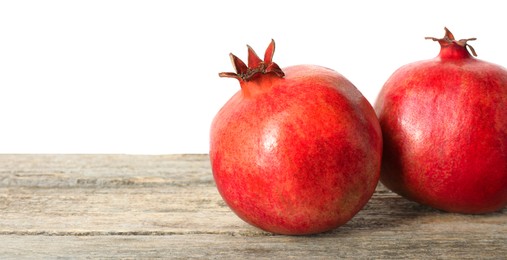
(255,65)
(449,39)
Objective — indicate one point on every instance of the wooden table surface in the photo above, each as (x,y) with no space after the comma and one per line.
(144,206)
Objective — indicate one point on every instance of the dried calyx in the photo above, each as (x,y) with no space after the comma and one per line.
(255,67)
(449,39)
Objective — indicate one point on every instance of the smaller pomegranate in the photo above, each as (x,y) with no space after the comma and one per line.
(295,151)
(444,123)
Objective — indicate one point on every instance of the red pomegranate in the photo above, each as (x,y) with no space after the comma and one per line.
(296,150)
(444,125)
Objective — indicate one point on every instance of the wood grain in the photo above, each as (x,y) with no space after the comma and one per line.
(139,206)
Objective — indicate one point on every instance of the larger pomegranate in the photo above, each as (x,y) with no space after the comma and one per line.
(296,150)
(444,124)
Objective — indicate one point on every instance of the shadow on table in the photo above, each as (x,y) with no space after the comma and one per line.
(388,211)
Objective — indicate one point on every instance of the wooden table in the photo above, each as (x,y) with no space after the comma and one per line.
(137,206)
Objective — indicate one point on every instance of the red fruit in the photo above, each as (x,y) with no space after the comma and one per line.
(295,151)
(444,124)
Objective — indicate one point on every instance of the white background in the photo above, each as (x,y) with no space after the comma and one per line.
(140,77)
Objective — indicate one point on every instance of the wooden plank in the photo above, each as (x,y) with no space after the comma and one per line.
(137,206)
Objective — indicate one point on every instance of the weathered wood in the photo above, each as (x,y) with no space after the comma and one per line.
(133,206)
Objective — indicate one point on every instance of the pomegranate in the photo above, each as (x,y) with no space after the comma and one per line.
(444,125)
(297,150)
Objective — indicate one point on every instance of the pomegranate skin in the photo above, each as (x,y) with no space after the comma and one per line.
(444,125)
(299,156)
